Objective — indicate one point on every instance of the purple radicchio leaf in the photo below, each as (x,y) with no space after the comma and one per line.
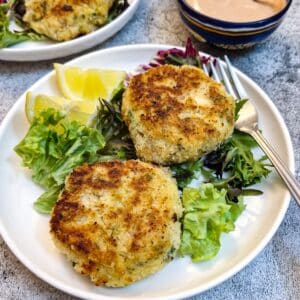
(179,57)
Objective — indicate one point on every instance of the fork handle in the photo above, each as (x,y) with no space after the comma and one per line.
(279,165)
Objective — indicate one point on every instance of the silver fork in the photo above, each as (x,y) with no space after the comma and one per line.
(248,120)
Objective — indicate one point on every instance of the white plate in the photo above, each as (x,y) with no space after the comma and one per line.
(27,232)
(42,50)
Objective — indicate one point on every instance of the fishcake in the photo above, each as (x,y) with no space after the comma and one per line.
(118,222)
(176,114)
(63,20)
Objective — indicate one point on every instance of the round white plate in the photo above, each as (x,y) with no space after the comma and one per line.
(42,50)
(27,233)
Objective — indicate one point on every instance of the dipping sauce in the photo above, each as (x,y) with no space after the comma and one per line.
(238,10)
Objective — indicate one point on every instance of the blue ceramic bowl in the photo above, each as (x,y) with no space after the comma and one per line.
(229,35)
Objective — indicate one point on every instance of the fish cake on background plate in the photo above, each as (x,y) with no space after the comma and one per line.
(118,222)
(176,114)
(63,20)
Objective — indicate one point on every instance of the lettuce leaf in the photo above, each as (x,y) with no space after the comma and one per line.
(186,172)
(207,214)
(52,148)
(235,159)
(47,200)
(9,37)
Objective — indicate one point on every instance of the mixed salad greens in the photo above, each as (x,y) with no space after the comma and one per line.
(13,10)
(207,213)
(53,147)
(214,207)
(10,37)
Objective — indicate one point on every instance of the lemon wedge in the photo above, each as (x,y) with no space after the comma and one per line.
(83,112)
(87,84)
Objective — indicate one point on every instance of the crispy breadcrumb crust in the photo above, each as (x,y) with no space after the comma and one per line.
(175,114)
(63,20)
(118,222)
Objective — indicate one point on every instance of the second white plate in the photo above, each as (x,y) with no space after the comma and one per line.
(42,50)
(27,233)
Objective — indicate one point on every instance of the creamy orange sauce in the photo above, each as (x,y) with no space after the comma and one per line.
(238,10)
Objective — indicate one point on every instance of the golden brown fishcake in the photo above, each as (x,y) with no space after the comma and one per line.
(118,222)
(175,114)
(63,20)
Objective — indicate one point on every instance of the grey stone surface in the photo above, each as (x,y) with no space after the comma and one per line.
(275,66)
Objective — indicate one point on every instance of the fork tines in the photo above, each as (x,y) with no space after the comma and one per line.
(226,75)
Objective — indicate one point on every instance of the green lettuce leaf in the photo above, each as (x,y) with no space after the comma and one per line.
(47,200)
(207,214)
(186,172)
(244,167)
(52,148)
(235,158)
(238,106)
(10,38)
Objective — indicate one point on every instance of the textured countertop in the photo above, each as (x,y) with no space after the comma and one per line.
(275,66)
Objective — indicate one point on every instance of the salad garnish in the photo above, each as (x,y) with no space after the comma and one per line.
(207,214)
(10,37)
(174,56)
(118,7)
(14,10)
(110,124)
(54,146)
